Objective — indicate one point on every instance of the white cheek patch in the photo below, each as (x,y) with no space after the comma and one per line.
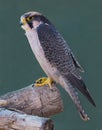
(36,24)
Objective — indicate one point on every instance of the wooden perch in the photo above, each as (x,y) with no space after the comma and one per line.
(40,101)
(11,120)
(17,108)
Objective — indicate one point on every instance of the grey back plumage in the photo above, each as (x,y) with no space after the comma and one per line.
(57,50)
(58,53)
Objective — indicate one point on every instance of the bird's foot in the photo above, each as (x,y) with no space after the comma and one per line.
(44,81)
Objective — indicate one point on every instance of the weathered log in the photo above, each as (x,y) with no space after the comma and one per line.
(11,120)
(40,101)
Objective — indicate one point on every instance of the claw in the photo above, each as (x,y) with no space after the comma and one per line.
(44,81)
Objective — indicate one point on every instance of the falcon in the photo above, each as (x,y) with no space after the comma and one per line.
(55,57)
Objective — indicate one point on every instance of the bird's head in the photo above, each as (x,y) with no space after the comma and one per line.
(32,19)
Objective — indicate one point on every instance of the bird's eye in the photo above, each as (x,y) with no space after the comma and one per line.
(30,18)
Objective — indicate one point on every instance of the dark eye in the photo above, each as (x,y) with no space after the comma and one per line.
(30,18)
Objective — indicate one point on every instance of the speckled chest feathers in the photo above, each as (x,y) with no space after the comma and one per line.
(55,48)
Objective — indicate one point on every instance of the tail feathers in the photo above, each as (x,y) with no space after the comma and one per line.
(74,96)
(80,85)
(84,116)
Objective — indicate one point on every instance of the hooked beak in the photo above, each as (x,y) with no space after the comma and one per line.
(22,21)
(24,24)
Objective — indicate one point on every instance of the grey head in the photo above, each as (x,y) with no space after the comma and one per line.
(33,19)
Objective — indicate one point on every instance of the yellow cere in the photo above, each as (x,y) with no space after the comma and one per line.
(23,20)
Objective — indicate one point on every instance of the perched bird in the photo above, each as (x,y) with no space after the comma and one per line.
(55,57)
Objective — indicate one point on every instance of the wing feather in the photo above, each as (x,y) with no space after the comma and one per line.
(80,85)
(57,50)
(58,53)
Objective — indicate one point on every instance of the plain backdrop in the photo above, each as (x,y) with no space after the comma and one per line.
(80,23)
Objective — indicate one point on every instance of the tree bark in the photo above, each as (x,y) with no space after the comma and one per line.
(11,120)
(17,108)
(40,101)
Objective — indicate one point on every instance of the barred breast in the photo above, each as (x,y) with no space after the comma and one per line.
(38,51)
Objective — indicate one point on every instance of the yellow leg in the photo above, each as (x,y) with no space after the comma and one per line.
(44,81)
